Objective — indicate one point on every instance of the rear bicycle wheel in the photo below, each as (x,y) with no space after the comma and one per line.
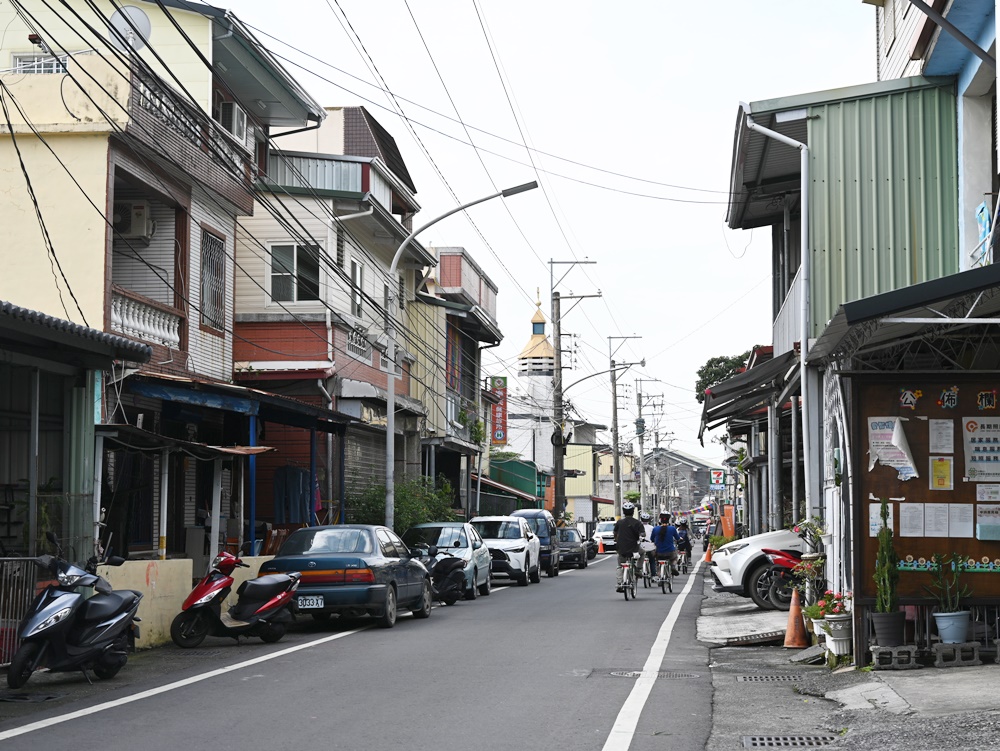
(663,579)
(625,584)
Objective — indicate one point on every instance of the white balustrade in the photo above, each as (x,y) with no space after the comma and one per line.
(147,323)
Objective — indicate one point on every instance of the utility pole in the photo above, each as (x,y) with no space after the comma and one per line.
(640,432)
(558,418)
(615,458)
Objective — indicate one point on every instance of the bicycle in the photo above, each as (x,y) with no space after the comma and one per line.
(685,561)
(647,575)
(665,574)
(629,576)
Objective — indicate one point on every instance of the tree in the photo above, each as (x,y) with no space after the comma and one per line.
(718,369)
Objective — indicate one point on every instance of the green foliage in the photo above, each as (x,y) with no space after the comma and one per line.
(945,585)
(633,495)
(886,567)
(501,455)
(813,612)
(416,502)
(477,432)
(716,541)
(718,369)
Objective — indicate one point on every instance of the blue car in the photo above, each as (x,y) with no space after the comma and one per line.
(354,570)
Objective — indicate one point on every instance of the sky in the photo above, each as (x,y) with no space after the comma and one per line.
(625,114)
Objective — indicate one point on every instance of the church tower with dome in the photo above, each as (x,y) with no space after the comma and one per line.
(529,416)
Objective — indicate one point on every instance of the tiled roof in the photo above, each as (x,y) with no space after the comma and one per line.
(121,348)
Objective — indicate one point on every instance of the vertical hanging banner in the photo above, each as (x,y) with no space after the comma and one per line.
(498,386)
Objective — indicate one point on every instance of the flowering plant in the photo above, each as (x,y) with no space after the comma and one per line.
(810,530)
(807,573)
(834,603)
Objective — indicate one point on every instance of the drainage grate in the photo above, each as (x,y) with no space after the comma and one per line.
(765,678)
(765,638)
(662,674)
(787,741)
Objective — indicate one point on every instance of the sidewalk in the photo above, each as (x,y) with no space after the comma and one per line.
(760,693)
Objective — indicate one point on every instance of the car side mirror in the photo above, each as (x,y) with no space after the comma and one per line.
(477,544)
(531,536)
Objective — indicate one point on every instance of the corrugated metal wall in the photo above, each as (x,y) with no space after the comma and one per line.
(884,195)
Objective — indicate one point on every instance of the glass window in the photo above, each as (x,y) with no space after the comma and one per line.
(443,536)
(294,273)
(321,541)
(357,286)
(388,548)
(40,63)
(569,535)
(213,280)
(400,545)
(498,529)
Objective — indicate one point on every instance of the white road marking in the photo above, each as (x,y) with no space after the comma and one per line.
(168,687)
(623,730)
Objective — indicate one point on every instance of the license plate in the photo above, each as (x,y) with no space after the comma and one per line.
(311,602)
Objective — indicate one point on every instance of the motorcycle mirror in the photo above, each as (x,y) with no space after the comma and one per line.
(432,550)
(115,560)
(51,537)
(458,543)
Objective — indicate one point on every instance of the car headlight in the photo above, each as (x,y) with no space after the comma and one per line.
(52,620)
(734,548)
(515,550)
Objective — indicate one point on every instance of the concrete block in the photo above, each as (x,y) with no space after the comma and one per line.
(903,657)
(956,655)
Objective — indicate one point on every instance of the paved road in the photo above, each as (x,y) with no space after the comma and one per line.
(564,664)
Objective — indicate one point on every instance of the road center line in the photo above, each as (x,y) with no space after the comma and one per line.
(623,730)
(41,724)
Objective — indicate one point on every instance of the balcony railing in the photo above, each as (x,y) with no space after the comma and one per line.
(787,325)
(145,320)
(458,418)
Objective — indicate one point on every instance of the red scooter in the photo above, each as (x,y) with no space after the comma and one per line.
(263,607)
(781,580)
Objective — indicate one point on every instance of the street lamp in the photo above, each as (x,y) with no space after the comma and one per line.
(390,349)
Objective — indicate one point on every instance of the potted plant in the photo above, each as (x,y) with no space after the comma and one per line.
(837,621)
(952,621)
(812,531)
(888,620)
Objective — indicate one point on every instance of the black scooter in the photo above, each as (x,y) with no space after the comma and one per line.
(447,573)
(64,630)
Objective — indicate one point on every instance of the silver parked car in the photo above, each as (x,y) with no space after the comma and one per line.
(463,541)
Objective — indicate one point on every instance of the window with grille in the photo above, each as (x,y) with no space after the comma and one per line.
(294,273)
(357,285)
(402,292)
(340,247)
(40,63)
(213,280)
(358,345)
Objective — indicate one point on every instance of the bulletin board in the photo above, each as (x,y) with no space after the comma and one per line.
(931,446)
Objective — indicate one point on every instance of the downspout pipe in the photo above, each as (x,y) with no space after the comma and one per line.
(329,440)
(804,322)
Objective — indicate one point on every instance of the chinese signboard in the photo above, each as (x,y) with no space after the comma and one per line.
(498,386)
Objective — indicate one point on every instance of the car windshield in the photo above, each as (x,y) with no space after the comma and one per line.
(569,535)
(443,537)
(498,529)
(320,541)
(538,525)
(605,527)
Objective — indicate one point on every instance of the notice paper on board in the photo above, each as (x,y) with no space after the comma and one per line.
(887,445)
(936,520)
(942,436)
(960,520)
(942,475)
(911,520)
(875,518)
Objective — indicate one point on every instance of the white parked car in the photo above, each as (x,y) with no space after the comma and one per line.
(605,532)
(740,566)
(513,546)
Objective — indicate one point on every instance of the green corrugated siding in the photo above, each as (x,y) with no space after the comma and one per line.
(884,195)
(516,474)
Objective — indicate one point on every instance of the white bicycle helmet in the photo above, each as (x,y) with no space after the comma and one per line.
(628,507)
(645,517)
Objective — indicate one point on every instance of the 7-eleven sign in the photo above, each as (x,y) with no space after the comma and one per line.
(718,477)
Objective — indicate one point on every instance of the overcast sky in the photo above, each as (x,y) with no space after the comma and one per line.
(630,109)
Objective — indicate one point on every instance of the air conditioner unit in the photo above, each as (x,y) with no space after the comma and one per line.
(131,221)
(234,119)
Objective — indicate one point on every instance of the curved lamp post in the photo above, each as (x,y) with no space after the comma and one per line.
(390,350)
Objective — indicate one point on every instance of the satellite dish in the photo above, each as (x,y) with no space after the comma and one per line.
(130,28)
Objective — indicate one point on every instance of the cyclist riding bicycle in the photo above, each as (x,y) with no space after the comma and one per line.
(627,532)
(646,519)
(665,536)
(684,539)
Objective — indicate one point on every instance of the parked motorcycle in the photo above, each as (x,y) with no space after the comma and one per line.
(263,608)
(447,573)
(65,630)
(780,580)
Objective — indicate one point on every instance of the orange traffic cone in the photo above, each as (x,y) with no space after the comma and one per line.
(708,555)
(795,631)
(600,546)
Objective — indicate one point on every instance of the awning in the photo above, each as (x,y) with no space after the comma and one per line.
(951,303)
(137,439)
(268,406)
(505,488)
(746,391)
(598,499)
